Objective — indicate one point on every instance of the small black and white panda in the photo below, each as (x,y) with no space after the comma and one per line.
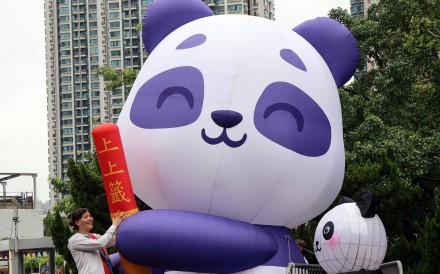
(351,238)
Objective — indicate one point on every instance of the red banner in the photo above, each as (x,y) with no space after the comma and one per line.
(114,169)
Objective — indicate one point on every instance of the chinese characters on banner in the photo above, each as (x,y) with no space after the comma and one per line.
(114,169)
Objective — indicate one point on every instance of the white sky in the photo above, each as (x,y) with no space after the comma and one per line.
(23,107)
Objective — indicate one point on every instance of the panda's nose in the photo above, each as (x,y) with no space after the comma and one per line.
(226,118)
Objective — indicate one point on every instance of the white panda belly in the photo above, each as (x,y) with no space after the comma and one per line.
(264,269)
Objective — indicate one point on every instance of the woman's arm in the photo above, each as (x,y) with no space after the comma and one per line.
(85,243)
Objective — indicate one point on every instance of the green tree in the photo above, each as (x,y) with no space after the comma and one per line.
(61,232)
(31,264)
(390,116)
(118,78)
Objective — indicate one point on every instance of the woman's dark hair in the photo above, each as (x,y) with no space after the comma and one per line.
(77,215)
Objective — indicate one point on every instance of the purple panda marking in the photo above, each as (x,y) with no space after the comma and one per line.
(292,58)
(192,41)
(287,116)
(173,98)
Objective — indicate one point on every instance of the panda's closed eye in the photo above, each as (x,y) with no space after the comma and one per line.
(289,117)
(176,91)
(290,109)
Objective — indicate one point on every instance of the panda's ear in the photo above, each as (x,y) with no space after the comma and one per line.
(368,204)
(345,200)
(164,16)
(336,45)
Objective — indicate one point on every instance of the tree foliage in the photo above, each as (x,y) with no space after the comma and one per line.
(390,116)
(117,78)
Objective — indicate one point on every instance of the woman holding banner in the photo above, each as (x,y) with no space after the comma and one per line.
(89,249)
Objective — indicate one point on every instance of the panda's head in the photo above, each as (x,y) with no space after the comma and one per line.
(351,237)
(237,116)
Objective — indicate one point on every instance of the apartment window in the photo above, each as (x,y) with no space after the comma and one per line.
(115,63)
(117,92)
(115,34)
(234,7)
(66,113)
(65,61)
(113,5)
(65,44)
(94,59)
(94,50)
(92,15)
(65,27)
(67,123)
(93,32)
(92,7)
(94,76)
(64,52)
(93,24)
(95,93)
(95,111)
(65,70)
(64,18)
(64,35)
(113,15)
(95,102)
(66,105)
(67,130)
(115,53)
(66,96)
(221,9)
(115,24)
(66,79)
(67,148)
(117,101)
(95,85)
(146,2)
(116,110)
(66,87)
(63,10)
(114,44)
(67,139)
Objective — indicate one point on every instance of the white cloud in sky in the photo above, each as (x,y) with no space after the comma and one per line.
(23,103)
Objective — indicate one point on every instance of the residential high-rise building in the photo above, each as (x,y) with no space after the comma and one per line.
(82,35)
(261,8)
(360,7)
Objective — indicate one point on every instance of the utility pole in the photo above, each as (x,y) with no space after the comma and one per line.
(18,259)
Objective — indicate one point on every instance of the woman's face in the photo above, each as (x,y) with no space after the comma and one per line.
(85,223)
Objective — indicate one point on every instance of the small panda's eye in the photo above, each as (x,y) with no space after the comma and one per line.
(327,231)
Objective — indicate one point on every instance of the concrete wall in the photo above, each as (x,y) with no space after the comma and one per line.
(30,225)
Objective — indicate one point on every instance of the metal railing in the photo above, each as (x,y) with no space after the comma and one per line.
(24,200)
(394,267)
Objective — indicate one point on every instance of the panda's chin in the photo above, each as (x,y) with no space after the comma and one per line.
(223,138)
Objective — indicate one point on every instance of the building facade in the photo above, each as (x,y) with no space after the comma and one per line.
(82,35)
(261,8)
(360,7)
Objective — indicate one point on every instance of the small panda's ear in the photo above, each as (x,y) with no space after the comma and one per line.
(368,204)
(336,45)
(164,16)
(345,200)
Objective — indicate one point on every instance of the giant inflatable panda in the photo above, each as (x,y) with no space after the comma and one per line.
(233,135)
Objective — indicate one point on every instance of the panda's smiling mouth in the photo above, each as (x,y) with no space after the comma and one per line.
(223,138)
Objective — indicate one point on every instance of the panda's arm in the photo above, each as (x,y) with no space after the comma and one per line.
(193,242)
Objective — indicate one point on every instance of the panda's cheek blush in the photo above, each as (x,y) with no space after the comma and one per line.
(334,241)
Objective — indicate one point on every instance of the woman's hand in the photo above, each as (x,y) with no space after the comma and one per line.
(119,218)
